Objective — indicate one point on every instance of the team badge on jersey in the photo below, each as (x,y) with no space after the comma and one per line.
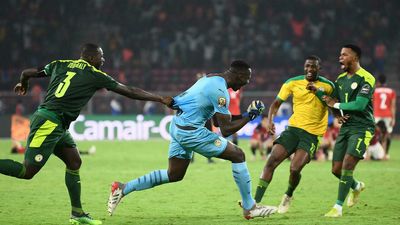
(221,102)
(354,85)
(217,142)
(38,158)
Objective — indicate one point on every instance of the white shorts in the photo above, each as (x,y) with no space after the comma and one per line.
(376,151)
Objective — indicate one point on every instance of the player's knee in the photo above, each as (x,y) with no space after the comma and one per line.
(175,177)
(272,163)
(295,170)
(238,156)
(336,172)
(75,165)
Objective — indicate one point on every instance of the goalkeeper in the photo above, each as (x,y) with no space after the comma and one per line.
(207,98)
(308,122)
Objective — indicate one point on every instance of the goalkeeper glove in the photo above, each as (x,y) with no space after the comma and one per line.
(255,109)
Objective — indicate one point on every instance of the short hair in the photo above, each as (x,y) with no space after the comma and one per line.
(381,124)
(314,57)
(355,49)
(240,66)
(382,79)
(89,49)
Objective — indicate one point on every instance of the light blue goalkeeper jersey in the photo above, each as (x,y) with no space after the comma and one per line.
(200,102)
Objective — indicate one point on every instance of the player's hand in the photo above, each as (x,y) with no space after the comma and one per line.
(343,119)
(255,109)
(311,87)
(329,100)
(270,127)
(21,88)
(168,101)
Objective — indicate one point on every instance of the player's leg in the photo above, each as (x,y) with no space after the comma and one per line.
(300,159)
(177,167)
(66,151)
(19,170)
(389,128)
(282,148)
(179,160)
(278,154)
(242,179)
(306,148)
(42,138)
(240,173)
(254,143)
(72,160)
(339,152)
(356,146)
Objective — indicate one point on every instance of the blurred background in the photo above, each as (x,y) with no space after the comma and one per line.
(161,45)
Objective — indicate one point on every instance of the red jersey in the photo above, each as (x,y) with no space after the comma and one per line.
(234,105)
(332,132)
(260,133)
(382,99)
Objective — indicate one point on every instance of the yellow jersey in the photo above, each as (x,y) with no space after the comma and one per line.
(309,112)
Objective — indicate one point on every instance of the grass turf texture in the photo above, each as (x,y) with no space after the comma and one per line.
(207,195)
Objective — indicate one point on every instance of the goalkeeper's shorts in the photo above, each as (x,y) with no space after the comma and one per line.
(200,140)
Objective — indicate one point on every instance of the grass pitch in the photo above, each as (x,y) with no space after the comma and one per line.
(207,195)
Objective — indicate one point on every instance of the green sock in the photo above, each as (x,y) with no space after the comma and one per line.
(290,190)
(72,180)
(261,188)
(12,168)
(345,183)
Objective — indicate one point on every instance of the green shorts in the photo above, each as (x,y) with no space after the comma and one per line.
(46,135)
(353,141)
(294,138)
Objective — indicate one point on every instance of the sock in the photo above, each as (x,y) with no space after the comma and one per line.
(73,183)
(12,168)
(345,183)
(253,150)
(261,188)
(242,179)
(388,142)
(147,181)
(290,190)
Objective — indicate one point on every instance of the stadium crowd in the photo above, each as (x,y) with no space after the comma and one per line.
(159,45)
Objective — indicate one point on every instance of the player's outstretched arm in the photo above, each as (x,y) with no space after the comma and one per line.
(22,87)
(140,94)
(229,126)
(358,105)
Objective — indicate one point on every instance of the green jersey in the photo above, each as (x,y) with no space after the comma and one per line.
(72,84)
(347,88)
